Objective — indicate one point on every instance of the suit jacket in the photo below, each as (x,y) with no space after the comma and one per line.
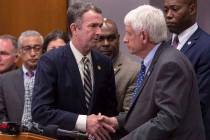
(58,91)
(197,49)
(167,107)
(125,72)
(12,96)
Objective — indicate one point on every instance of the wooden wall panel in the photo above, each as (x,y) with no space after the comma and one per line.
(17,16)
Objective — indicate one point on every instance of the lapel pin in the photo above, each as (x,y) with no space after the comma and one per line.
(189,43)
(99,67)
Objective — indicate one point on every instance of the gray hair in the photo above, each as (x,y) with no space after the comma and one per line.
(11,38)
(150,19)
(29,33)
(76,11)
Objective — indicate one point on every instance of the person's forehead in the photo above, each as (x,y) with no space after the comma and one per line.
(92,16)
(6,43)
(175,2)
(32,39)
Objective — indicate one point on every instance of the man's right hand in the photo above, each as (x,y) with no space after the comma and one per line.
(108,122)
(97,128)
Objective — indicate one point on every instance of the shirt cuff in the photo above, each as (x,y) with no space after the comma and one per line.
(81,123)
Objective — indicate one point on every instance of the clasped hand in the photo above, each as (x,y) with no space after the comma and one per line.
(99,127)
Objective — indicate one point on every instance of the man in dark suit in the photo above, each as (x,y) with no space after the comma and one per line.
(195,44)
(67,89)
(16,86)
(125,70)
(166,103)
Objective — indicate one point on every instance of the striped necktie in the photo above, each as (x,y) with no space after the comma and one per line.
(87,81)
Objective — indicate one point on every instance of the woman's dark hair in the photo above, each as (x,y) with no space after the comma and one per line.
(56,34)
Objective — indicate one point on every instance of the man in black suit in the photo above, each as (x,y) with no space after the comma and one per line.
(165,103)
(67,89)
(16,86)
(195,44)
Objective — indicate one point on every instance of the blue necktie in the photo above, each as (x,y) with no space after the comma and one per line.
(140,78)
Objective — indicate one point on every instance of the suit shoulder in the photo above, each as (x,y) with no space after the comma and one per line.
(12,73)
(170,54)
(9,76)
(204,38)
(127,63)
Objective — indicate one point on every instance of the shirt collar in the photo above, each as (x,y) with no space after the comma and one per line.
(78,56)
(148,59)
(25,70)
(185,35)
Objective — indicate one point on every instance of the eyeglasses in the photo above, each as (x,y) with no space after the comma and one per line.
(36,48)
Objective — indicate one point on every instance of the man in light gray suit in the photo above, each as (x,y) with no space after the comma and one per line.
(166,102)
(16,86)
(125,70)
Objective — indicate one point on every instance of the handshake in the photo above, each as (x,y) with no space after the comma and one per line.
(99,127)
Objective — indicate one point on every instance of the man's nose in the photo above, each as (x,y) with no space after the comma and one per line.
(33,52)
(98,30)
(169,14)
(125,40)
(106,42)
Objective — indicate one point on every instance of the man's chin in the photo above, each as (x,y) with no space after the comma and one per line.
(32,66)
(173,29)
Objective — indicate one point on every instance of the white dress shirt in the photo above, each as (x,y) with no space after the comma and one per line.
(185,35)
(82,119)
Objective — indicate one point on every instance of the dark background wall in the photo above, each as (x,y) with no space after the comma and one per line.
(116,10)
(203,16)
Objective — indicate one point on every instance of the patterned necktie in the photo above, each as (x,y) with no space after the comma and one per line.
(28,84)
(175,42)
(140,78)
(87,81)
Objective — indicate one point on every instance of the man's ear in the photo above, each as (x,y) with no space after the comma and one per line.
(192,9)
(73,27)
(19,52)
(144,36)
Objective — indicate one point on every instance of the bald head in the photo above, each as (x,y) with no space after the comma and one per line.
(108,24)
(108,43)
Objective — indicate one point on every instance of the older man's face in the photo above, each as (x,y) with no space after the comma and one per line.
(7,55)
(133,40)
(30,51)
(88,31)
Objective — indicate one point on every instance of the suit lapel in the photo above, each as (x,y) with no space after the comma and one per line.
(96,74)
(19,90)
(147,75)
(117,63)
(192,41)
(75,74)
